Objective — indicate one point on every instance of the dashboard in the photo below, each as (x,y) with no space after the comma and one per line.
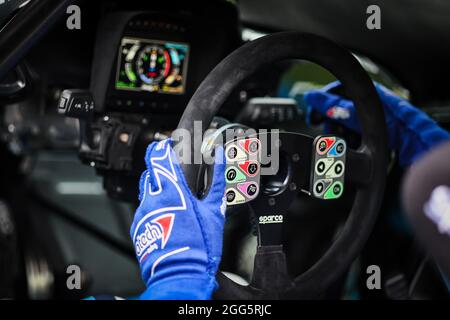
(146,65)
(152,66)
(152,61)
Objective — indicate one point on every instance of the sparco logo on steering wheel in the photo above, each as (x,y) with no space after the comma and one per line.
(271,219)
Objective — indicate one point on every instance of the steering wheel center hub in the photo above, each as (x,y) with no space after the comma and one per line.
(273,185)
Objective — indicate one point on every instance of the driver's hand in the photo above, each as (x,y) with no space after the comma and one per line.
(411,132)
(177,237)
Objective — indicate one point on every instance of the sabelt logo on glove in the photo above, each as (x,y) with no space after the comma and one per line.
(156,231)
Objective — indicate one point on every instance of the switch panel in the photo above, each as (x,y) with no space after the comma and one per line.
(328,171)
(242,171)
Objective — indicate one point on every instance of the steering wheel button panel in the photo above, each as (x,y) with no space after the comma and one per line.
(243,170)
(320,186)
(323,165)
(233,174)
(250,146)
(234,197)
(324,144)
(336,170)
(251,168)
(327,178)
(249,189)
(338,149)
(335,191)
(235,153)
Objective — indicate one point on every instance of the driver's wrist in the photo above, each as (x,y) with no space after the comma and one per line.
(199,287)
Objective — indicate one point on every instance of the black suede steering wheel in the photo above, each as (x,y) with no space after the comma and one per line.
(365,168)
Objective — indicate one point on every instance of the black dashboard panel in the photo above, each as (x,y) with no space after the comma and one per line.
(185,46)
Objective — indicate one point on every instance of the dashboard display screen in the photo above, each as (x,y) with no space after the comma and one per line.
(152,66)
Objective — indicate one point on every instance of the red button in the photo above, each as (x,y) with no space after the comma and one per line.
(250,168)
(250,145)
(324,144)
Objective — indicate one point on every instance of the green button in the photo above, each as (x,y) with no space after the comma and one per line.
(335,191)
(234,175)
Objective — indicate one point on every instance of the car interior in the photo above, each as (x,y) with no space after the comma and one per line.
(78,110)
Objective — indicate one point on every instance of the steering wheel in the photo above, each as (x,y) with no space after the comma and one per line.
(365,167)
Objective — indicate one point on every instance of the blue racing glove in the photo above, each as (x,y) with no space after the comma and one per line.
(177,237)
(411,132)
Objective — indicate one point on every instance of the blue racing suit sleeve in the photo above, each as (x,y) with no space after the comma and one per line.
(411,131)
(177,237)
